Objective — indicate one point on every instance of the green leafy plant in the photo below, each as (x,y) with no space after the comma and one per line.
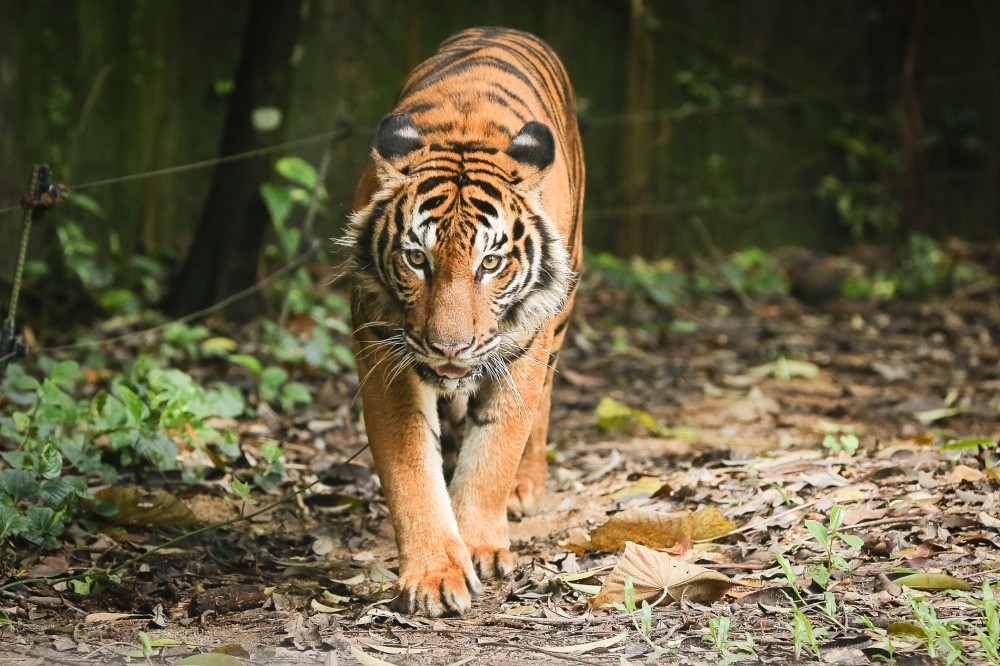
(61,440)
(242,489)
(940,637)
(276,389)
(827,535)
(731,651)
(267,473)
(884,636)
(847,443)
(803,633)
(989,634)
(643,625)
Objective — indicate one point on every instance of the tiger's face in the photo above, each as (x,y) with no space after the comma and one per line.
(455,254)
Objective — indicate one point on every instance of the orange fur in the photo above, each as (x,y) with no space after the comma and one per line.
(480,183)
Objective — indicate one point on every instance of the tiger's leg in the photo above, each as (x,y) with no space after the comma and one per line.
(529,481)
(435,572)
(499,420)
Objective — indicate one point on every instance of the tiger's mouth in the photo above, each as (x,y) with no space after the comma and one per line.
(451,371)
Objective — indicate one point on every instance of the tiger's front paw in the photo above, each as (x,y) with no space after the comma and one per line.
(492,561)
(525,496)
(438,586)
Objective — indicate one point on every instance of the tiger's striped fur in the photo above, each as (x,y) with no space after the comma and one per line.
(466,239)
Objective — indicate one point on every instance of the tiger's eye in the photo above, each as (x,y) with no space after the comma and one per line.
(416,257)
(491,261)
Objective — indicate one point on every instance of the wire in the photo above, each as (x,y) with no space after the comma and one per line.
(342,132)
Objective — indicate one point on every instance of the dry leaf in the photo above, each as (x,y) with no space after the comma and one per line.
(139,507)
(93,618)
(965,473)
(49,567)
(580,648)
(653,572)
(646,485)
(652,528)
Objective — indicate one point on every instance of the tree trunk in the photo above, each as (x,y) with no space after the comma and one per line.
(223,257)
(636,134)
(918,215)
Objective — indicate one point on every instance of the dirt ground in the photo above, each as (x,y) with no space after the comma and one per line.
(903,377)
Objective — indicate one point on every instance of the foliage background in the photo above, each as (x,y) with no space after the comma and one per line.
(758,117)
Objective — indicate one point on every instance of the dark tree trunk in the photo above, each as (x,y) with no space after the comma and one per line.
(223,257)
(637,138)
(918,214)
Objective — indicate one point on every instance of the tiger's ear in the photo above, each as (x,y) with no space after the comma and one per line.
(534,148)
(396,137)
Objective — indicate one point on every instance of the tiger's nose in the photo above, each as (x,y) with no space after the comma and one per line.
(451,351)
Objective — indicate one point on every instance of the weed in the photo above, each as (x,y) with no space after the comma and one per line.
(847,443)
(940,637)
(644,625)
(989,635)
(827,537)
(718,634)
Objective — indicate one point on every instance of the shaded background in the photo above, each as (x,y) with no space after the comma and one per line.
(751,122)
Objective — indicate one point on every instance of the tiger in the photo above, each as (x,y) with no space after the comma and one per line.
(465,247)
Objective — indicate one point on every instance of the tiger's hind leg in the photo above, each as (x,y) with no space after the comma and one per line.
(529,482)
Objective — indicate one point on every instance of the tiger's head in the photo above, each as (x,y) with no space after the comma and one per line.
(454,257)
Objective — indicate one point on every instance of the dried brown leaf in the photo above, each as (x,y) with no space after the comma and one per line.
(140,507)
(653,529)
(653,573)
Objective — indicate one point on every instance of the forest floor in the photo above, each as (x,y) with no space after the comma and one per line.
(695,416)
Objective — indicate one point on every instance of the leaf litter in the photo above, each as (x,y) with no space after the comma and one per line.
(708,442)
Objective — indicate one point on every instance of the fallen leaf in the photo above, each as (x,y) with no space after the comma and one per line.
(367,659)
(930,582)
(581,648)
(93,618)
(320,608)
(968,444)
(49,567)
(391,649)
(232,649)
(785,369)
(208,659)
(141,507)
(855,516)
(905,629)
(931,415)
(646,485)
(613,416)
(653,529)
(654,573)
(965,473)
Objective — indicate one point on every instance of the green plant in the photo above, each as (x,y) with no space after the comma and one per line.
(60,440)
(718,634)
(803,632)
(847,443)
(268,474)
(883,635)
(275,388)
(827,537)
(989,634)
(644,625)
(242,489)
(940,637)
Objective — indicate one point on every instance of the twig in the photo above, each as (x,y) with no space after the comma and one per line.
(187,535)
(886,521)
(532,648)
